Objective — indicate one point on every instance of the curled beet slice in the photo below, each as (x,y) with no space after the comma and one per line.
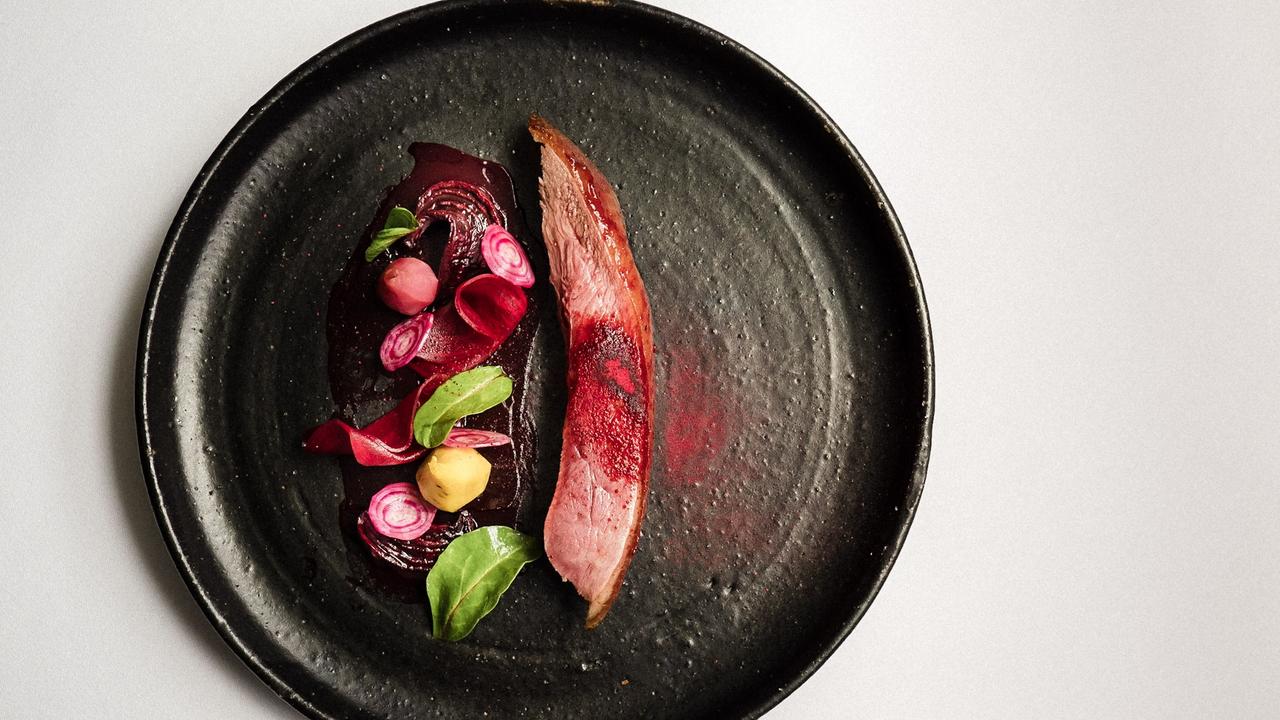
(408,286)
(469,209)
(485,311)
(385,441)
(451,347)
(491,305)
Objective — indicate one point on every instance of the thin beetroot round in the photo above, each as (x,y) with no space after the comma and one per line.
(471,438)
(405,341)
(399,511)
(504,256)
(491,305)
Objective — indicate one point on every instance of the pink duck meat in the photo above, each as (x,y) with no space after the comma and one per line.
(595,515)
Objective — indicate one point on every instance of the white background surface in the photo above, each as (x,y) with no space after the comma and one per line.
(1091,194)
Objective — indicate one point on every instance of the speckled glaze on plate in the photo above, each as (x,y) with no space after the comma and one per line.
(793,359)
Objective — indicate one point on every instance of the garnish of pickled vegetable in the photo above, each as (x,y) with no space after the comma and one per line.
(472,438)
(399,511)
(467,393)
(452,477)
(407,286)
(491,305)
(485,311)
(385,441)
(504,256)
(471,576)
(405,341)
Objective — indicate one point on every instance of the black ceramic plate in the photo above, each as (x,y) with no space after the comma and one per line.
(794,370)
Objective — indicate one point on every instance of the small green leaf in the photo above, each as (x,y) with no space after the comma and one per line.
(400,222)
(437,433)
(466,393)
(472,574)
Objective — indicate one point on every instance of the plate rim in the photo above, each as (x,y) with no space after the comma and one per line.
(299,75)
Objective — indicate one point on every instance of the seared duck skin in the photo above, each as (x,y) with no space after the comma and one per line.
(594,520)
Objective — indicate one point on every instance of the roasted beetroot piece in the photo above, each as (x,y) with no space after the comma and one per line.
(420,553)
(408,285)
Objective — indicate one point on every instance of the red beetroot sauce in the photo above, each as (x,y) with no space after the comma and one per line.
(467,193)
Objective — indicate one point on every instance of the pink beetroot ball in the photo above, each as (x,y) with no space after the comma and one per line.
(407,286)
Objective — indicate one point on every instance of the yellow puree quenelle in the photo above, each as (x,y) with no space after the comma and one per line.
(452,477)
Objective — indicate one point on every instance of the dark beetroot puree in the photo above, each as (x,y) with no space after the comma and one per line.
(468,194)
